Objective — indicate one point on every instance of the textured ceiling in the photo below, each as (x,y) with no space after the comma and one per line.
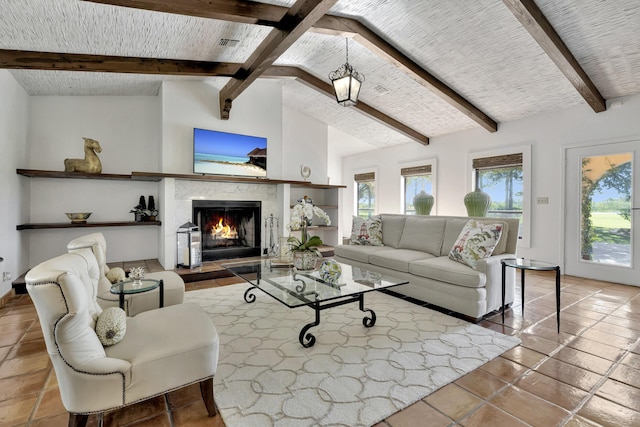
(479,49)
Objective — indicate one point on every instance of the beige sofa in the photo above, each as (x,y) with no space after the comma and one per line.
(416,248)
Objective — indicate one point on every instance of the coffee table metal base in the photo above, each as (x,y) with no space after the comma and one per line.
(307,339)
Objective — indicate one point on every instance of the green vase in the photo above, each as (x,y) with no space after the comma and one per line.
(477,203)
(422,203)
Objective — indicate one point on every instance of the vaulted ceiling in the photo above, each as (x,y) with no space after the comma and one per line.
(431,67)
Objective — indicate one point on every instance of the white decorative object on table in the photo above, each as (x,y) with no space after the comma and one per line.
(137,274)
(330,271)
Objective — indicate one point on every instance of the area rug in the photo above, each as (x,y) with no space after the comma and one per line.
(352,376)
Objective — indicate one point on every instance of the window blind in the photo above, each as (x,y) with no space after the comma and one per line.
(498,161)
(364,177)
(416,170)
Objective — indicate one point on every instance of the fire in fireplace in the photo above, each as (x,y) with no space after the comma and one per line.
(225,233)
(230,228)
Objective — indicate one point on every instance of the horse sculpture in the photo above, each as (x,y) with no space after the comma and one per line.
(90,163)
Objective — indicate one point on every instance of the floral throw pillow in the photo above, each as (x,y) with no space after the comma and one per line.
(475,242)
(367,232)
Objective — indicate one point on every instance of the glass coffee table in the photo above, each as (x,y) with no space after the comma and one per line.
(305,288)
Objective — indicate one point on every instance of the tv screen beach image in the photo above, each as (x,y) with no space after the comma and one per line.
(223,153)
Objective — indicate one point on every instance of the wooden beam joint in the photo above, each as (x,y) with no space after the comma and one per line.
(299,18)
(225,108)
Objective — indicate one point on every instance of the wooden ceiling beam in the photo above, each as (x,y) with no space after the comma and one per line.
(327,89)
(270,15)
(534,21)
(298,19)
(353,28)
(29,60)
(246,12)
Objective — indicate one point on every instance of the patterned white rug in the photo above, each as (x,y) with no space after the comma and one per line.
(352,376)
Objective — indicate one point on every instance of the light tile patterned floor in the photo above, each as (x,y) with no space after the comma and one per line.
(588,375)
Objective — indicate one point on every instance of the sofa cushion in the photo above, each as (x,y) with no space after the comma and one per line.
(455,225)
(501,247)
(392,226)
(357,252)
(423,234)
(367,232)
(448,271)
(476,241)
(397,259)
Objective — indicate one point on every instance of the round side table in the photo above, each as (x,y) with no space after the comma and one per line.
(129,287)
(529,264)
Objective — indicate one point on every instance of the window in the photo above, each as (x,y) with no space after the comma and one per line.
(501,177)
(366,194)
(416,179)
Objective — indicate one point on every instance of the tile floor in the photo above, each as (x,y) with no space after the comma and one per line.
(586,376)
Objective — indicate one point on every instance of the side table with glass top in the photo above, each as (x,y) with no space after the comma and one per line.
(529,264)
(131,287)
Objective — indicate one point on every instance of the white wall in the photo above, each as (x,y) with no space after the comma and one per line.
(545,133)
(14,189)
(305,139)
(128,131)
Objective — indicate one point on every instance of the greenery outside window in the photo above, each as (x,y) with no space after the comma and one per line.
(366,194)
(416,179)
(502,178)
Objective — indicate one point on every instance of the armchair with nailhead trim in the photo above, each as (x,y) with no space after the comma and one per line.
(162,350)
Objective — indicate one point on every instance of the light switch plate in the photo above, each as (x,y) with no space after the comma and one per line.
(542,201)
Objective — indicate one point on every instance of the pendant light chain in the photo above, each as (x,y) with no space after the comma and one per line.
(347,42)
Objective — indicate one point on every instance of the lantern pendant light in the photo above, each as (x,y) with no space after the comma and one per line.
(346,83)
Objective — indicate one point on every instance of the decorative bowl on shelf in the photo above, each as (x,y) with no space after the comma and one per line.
(78,217)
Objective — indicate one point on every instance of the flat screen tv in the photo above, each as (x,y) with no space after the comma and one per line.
(222,153)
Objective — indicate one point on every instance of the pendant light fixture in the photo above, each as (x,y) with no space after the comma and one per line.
(346,83)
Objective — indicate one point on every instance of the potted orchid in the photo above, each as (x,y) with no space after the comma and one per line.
(305,249)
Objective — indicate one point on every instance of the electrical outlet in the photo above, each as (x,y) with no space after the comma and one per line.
(6,276)
(542,201)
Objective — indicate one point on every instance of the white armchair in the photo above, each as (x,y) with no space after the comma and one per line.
(162,350)
(136,303)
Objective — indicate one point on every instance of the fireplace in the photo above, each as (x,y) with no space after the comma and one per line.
(230,228)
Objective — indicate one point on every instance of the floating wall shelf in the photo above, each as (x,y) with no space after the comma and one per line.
(157,177)
(85,225)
